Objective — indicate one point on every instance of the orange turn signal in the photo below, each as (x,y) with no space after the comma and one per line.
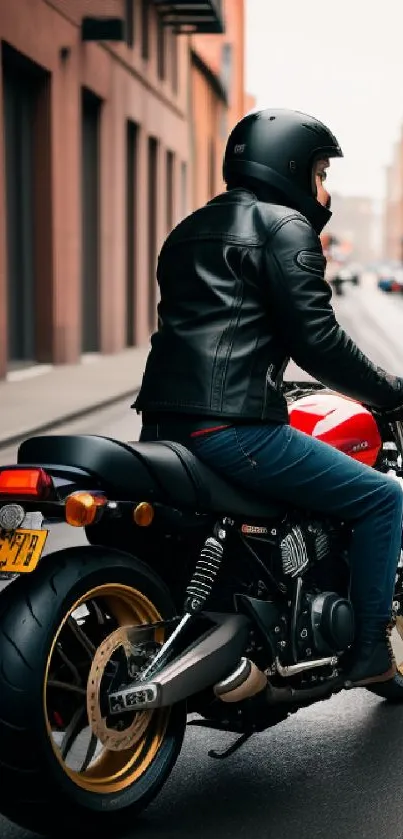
(143,514)
(81,508)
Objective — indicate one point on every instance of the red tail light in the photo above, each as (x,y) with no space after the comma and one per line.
(29,482)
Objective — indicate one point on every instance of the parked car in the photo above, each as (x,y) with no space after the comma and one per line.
(390,279)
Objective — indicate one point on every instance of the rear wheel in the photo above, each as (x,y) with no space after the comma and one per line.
(54,772)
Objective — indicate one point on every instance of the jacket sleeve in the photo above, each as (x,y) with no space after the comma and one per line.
(298,297)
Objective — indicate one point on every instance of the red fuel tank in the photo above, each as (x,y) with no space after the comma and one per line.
(340,422)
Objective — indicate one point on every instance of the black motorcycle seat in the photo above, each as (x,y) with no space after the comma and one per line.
(161,471)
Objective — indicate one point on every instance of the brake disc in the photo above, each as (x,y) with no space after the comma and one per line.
(112,738)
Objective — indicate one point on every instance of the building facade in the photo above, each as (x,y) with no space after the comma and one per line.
(393,205)
(101,104)
(218,98)
(353,223)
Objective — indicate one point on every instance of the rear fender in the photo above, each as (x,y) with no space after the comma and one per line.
(67,475)
(84,552)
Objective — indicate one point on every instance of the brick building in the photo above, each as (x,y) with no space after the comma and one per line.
(114,115)
(393,206)
(353,222)
(218,98)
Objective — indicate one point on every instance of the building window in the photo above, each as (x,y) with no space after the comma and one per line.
(129,13)
(170,162)
(174,62)
(184,190)
(90,197)
(161,49)
(152,231)
(145,29)
(131,231)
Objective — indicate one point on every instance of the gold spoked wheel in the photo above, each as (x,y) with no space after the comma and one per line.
(85,757)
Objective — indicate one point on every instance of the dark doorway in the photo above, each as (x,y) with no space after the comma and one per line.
(90,193)
(170,196)
(211,168)
(152,231)
(24,86)
(131,232)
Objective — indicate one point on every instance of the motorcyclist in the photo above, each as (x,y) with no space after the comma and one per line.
(242,290)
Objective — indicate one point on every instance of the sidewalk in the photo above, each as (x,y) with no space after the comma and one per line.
(40,398)
(43,396)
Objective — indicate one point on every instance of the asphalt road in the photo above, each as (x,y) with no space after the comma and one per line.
(333,770)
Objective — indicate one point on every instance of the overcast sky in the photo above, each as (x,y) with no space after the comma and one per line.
(341,61)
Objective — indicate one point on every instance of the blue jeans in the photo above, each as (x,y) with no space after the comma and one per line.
(279,462)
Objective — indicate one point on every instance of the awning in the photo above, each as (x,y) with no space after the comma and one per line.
(198,16)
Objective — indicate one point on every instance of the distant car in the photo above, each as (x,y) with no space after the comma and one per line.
(390,279)
(339,273)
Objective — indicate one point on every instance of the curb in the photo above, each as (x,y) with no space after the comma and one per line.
(75,415)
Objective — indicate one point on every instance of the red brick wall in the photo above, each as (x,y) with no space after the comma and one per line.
(129,88)
(76,9)
(3,256)
(210,117)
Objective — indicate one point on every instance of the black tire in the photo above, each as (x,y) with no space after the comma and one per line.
(35,790)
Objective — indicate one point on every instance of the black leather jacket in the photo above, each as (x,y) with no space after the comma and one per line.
(243,290)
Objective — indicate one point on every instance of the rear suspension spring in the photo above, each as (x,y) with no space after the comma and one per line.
(206,572)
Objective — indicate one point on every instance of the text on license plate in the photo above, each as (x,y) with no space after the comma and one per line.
(20,550)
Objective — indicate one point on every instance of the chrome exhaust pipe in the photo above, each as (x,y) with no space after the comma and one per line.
(300,696)
(246,681)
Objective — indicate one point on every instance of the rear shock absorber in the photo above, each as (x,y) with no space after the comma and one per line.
(206,571)
(197,592)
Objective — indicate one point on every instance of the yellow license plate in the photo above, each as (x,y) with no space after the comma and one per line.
(20,550)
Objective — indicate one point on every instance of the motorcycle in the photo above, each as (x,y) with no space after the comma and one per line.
(194,603)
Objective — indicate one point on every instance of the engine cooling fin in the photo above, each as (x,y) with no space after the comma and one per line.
(294,553)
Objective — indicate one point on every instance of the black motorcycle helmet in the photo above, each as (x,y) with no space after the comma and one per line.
(277,148)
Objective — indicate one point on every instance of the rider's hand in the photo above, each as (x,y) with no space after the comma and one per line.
(390,414)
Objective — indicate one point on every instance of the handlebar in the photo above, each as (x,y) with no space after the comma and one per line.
(388,415)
